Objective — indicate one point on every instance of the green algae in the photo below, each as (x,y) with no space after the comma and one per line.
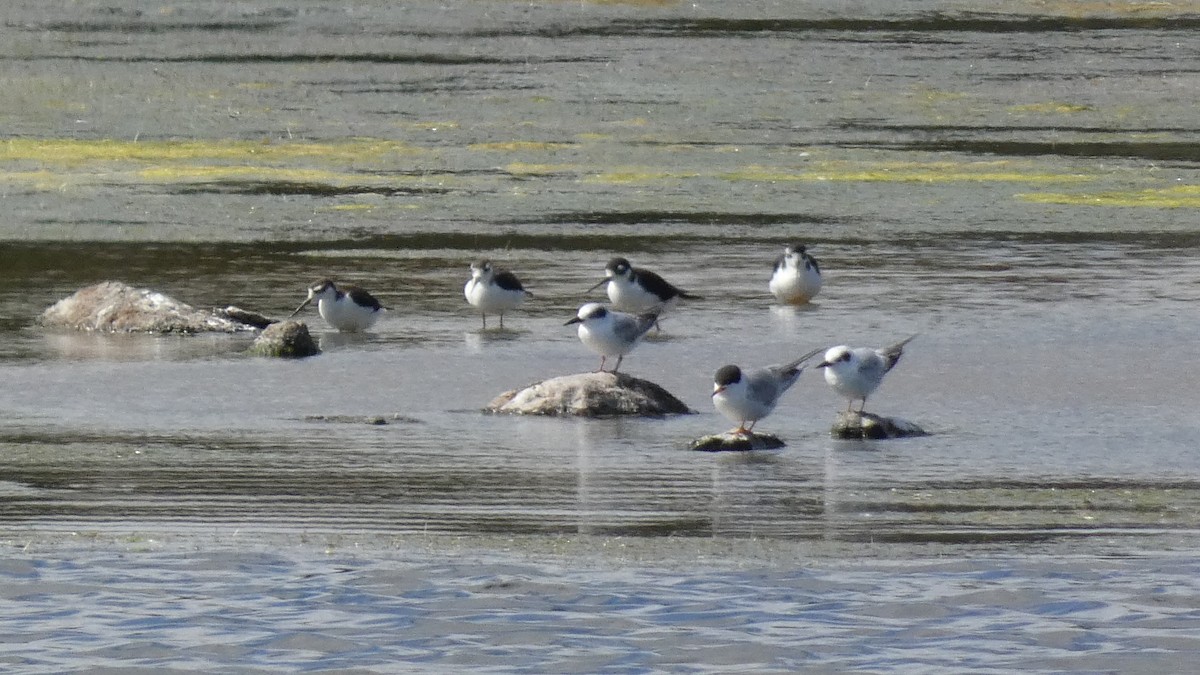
(519,146)
(68,152)
(1047,107)
(1178,197)
(933,172)
(1043,505)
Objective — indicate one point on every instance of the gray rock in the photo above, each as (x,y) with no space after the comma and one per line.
(286,339)
(854,425)
(590,395)
(115,307)
(730,441)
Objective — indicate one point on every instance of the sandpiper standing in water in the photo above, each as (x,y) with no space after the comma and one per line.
(349,309)
(797,276)
(638,290)
(493,291)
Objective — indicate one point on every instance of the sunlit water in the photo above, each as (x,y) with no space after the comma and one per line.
(1017,189)
(276,613)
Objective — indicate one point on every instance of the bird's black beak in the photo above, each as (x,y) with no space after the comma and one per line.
(823,364)
(302,306)
(718,390)
(598,284)
(573,320)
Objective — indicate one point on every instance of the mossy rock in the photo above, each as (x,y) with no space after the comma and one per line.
(855,425)
(601,394)
(286,339)
(734,442)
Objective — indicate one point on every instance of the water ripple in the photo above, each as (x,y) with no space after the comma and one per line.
(284,613)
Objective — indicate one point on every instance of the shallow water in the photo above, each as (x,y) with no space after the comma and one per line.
(1017,187)
(267,612)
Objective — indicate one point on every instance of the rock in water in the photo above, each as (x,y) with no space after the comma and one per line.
(286,339)
(855,425)
(114,307)
(245,316)
(590,395)
(737,442)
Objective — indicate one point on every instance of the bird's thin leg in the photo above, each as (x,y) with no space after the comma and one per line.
(603,358)
(501,320)
(484,320)
(619,358)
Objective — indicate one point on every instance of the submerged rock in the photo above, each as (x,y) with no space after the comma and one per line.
(590,395)
(115,307)
(286,339)
(730,441)
(373,420)
(235,313)
(855,425)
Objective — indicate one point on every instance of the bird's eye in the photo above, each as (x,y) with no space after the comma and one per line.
(844,357)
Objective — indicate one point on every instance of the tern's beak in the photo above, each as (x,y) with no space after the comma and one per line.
(718,389)
(573,320)
(823,364)
(302,306)
(598,284)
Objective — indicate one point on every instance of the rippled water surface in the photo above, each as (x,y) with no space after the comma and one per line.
(1016,184)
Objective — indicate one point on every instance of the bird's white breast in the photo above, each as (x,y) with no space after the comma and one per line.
(599,337)
(346,316)
(735,404)
(628,296)
(847,380)
(492,298)
(795,284)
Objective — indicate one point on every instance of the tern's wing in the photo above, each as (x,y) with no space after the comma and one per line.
(786,374)
(780,261)
(630,327)
(764,386)
(890,356)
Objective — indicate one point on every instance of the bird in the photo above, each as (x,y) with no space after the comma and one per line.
(856,372)
(611,333)
(797,276)
(751,394)
(349,309)
(638,290)
(493,290)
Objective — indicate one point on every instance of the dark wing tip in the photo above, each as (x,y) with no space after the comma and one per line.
(508,281)
(363,298)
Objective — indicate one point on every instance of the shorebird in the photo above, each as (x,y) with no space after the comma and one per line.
(856,372)
(748,395)
(493,291)
(638,290)
(797,276)
(611,333)
(349,309)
